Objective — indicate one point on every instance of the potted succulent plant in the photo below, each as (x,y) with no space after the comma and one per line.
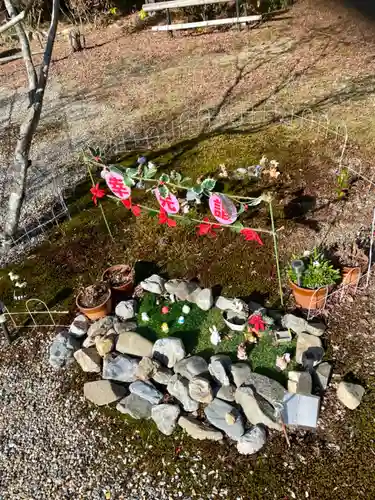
(120,278)
(95,301)
(310,277)
(353,260)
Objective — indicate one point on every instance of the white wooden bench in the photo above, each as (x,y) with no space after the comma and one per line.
(178,4)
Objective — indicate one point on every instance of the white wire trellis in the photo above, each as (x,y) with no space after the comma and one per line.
(32,315)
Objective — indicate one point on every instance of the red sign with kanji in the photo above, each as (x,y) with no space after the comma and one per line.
(116,184)
(223,209)
(170,203)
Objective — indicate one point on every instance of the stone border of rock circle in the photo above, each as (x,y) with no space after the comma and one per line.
(160,381)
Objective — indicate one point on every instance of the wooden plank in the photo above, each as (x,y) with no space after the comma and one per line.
(204,24)
(177,4)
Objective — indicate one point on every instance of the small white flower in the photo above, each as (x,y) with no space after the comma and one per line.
(306,253)
(316,263)
(274,163)
(186,209)
(20,285)
(215,335)
(104,172)
(263,161)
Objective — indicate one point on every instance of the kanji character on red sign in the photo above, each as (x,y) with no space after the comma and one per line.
(118,187)
(171,205)
(219,210)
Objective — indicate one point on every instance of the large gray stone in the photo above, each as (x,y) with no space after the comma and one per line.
(134,344)
(126,309)
(192,297)
(252,441)
(154,284)
(165,417)
(180,288)
(89,360)
(241,373)
(147,368)
(178,387)
(103,392)
(80,326)
(200,390)
(124,326)
(119,367)
(135,406)
(62,349)
(257,410)
(162,375)
(323,372)
(198,430)
(225,392)
(204,299)
(147,391)
(299,382)
(219,368)
(268,388)
(191,367)
(169,351)
(225,417)
(300,325)
(350,395)
(305,342)
(100,327)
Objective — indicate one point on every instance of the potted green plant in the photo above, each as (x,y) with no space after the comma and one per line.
(311,277)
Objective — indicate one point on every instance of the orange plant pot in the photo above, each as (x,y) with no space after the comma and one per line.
(97,312)
(351,275)
(127,287)
(308,298)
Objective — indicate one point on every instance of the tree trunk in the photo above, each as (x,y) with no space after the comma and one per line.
(27,130)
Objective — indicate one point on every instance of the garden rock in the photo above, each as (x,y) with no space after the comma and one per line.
(103,392)
(100,327)
(120,368)
(135,406)
(104,345)
(204,299)
(147,391)
(235,305)
(134,344)
(154,284)
(88,342)
(219,367)
(241,373)
(126,309)
(268,388)
(122,327)
(252,441)
(200,390)
(168,351)
(350,395)
(162,375)
(300,325)
(178,387)
(197,430)
(299,382)
(225,417)
(257,410)
(62,349)
(80,326)
(305,342)
(165,417)
(147,368)
(192,297)
(89,360)
(226,392)
(191,367)
(323,372)
(180,288)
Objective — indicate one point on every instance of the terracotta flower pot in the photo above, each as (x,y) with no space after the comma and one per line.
(128,286)
(351,275)
(99,311)
(308,298)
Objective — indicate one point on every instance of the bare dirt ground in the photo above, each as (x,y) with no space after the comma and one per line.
(316,56)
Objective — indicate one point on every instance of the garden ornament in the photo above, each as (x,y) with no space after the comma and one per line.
(215,337)
(298,267)
(165,310)
(241,351)
(165,328)
(145,317)
(186,309)
(181,320)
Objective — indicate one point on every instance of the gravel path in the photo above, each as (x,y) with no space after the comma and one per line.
(54,445)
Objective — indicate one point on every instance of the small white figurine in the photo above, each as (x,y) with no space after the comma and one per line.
(215,335)
(145,317)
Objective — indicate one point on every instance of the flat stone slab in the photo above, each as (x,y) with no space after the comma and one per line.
(350,395)
(198,430)
(103,392)
(225,417)
(134,344)
(256,411)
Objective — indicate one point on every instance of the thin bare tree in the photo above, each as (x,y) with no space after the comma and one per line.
(37,85)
